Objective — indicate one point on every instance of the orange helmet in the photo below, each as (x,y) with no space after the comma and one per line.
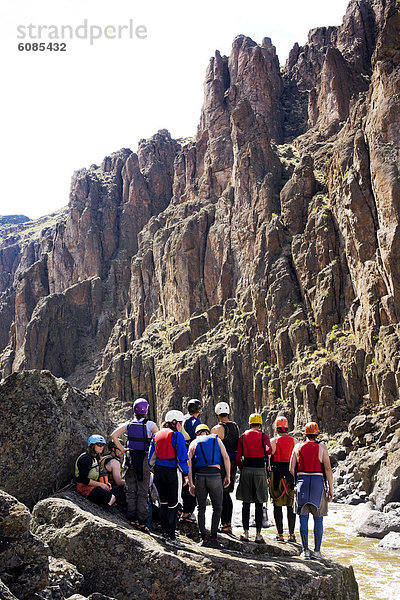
(311,428)
(281,422)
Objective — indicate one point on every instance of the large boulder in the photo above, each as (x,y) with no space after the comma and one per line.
(391,541)
(387,486)
(24,562)
(120,562)
(45,426)
(369,522)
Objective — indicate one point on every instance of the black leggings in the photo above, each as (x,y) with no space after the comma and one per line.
(278,516)
(227,508)
(246,515)
(100,496)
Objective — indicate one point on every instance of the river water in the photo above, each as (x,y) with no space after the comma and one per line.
(377,571)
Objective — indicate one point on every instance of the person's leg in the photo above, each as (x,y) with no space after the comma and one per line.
(245,520)
(201,497)
(101,497)
(188,501)
(291,517)
(172,501)
(131,494)
(258,516)
(215,490)
(142,508)
(318,532)
(162,488)
(304,531)
(278,516)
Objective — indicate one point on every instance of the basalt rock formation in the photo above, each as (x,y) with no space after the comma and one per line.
(256,262)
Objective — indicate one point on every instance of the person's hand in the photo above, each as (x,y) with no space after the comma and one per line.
(227,481)
(192,490)
(330,495)
(185,481)
(105,486)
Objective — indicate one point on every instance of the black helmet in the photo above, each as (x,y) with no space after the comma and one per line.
(113,446)
(194,405)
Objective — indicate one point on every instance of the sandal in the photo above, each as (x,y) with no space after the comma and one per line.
(291,538)
(188,519)
(259,540)
(143,528)
(244,538)
(279,538)
(134,523)
(225,528)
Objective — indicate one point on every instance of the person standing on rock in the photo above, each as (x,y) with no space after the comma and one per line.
(310,460)
(139,431)
(87,473)
(190,422)
(168,454)
(281,483)
(228,432)
(253,449)
(207,454)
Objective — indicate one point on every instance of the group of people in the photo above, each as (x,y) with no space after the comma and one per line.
(190,463)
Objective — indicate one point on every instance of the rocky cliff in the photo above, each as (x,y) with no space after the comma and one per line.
(256,262)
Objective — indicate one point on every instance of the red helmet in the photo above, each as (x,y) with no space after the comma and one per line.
(281,422)
(311,428)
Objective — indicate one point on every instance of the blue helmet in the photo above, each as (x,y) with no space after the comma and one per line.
(96,439)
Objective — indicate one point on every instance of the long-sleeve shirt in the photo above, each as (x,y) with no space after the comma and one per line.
(181,460)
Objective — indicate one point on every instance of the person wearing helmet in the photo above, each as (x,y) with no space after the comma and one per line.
(190,422)
(207,454)
(139,431)
(87,474)
(111,469)
(281,483)
(228,432)
(253,449)
(310,460)
(168,455)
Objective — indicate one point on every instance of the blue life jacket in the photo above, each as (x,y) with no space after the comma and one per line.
(137,436)
(207,452)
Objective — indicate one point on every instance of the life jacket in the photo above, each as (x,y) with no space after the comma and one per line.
(231,437)
(94,471)
(137,436)
(207,452)
(163,444)
(284,448)
(107,475)
(253,443)
(189,437)
(307,458)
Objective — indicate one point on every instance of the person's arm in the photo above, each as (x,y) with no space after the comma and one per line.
(152,452)
(115,435)
(192,448)
(155,429)
(267,444)
(181,452)
(84,466)
(239,452)
(273,445)
(114,466)
(227,463)
(293,460)
(328,469)
(219,430)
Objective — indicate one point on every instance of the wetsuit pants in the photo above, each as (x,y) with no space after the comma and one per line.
(246,515)
(209,485)
(227,504)
(169,487)
(137,493)
(318,531)
(278,516)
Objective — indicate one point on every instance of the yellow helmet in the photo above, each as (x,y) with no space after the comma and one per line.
(202,427)
(255,419)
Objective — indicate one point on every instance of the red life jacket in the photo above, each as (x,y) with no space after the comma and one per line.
(284,448)
(253,443)
(308,461)
(163,444)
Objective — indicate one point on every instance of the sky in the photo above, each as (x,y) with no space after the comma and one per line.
(65,110)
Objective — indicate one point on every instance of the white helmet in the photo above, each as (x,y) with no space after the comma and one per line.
(222,408)
(174,415)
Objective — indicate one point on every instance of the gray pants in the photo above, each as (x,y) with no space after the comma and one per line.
(137,493)
(209,485)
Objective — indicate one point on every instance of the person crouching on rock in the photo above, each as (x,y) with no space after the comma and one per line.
(87,473)
(111,469)
(207,454)
(139,432)
(281,483)
(310,460)
(253,448)
(168,454)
